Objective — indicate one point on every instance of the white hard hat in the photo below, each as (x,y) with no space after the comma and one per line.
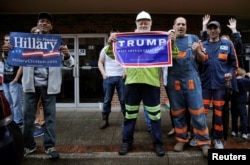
(143,15)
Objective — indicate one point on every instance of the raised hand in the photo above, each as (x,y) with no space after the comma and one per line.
(205,21)
(232,24)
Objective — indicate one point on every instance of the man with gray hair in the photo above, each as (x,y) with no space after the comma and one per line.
(142,84)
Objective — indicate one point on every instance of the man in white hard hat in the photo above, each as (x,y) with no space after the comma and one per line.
(142,84)
(143,15)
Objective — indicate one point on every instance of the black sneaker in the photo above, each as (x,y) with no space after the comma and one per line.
(52,153)
(159,150)
(124,149)
(28,151)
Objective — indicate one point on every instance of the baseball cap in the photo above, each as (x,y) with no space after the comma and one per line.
(143,15)
(214,23)
(45,15)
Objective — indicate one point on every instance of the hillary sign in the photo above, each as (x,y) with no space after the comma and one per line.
(150,49)
(34,50)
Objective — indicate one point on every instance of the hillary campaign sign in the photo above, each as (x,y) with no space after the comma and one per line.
(147,49)
(34,50)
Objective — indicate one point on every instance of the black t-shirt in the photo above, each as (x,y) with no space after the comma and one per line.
(9,73)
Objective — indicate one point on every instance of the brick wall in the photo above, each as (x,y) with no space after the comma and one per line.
(103,23)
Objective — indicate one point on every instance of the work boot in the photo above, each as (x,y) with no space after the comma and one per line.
(125,148)
(105,121)
(159,150)
(179,147)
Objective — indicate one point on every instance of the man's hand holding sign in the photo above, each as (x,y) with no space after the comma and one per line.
(36,50)
(142,49)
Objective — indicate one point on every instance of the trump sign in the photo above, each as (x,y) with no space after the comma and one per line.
(147,49)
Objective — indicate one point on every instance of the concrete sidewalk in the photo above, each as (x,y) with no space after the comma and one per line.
(80,141)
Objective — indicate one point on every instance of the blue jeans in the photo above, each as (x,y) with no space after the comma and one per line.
(13,93)
(109,86)
(30,108)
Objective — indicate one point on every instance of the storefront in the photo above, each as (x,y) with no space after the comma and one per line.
(82,85)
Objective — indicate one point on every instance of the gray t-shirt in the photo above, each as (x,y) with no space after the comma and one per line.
(41,76)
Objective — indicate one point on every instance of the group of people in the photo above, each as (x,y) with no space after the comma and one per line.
(196,81)
(12,88)
(40,86)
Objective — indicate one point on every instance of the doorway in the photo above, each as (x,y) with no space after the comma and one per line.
(82,84)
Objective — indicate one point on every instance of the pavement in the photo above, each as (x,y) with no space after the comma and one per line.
(81,142)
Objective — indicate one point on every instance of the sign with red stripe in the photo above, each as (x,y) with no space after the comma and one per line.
(147,49)
(38,50)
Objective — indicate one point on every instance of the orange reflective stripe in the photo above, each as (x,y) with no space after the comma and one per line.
(181,130)
(196,111)
(207,102)
(218,112)
(201,132)
(191,84)
(203,142)
(222,56)
(219,103)
(218,127)
(181,54)
(177,112)
(177,85)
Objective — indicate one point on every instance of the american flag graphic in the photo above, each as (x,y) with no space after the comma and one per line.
(40,53)
(35,50)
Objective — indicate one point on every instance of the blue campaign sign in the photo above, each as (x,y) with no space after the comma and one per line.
(38,50)
(148,49)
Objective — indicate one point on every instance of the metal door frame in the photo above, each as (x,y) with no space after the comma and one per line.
(76,104)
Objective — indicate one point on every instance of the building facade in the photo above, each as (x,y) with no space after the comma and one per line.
(86,34)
